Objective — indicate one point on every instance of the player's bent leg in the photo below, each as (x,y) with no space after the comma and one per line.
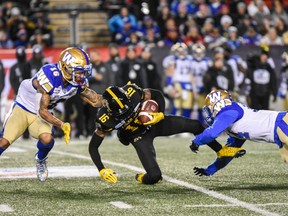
(154,176)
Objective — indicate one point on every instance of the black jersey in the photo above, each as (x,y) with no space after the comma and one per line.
(129,125)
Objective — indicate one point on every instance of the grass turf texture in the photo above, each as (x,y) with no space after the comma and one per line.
(260,177)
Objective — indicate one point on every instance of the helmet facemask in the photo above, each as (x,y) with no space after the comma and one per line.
(78,75)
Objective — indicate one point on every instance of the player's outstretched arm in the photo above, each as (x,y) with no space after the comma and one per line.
(91,97)
(106,174)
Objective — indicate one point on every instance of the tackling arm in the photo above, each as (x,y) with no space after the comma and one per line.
(91,97)
(222,121)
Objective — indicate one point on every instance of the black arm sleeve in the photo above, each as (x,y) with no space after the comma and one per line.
(159,98)
(94,144)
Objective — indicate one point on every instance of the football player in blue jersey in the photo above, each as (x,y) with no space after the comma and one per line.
(120,110)
(36,98)
(241,123)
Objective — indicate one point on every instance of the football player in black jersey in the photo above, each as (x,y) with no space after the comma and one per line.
(121,106)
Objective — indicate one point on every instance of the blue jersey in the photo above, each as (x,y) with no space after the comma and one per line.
(51,80)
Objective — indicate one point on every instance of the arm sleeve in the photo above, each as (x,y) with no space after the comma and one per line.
(221,123)
(159,98)
(94,144)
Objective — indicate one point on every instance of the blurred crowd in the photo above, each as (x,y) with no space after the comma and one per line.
(20,28)
(210,22)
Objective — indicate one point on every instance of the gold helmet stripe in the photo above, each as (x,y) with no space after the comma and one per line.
(116,98)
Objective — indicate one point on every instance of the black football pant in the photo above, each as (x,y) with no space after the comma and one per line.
(170,125)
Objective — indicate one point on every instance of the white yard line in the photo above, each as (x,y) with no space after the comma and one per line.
(121,205)
(210,193)
(232,205)
(5,208)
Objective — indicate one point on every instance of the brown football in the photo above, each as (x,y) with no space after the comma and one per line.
(148,106)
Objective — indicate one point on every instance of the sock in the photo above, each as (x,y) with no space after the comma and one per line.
(1,150)
(43,150)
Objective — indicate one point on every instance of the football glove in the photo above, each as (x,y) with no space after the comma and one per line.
(157,116)
(139,177)
(194,147)
(200,171)
(66,128)
(108,175)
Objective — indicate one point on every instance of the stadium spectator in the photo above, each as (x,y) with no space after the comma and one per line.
(5,41)
(163,15)
(22,38)
(190,6)
(261,18)
(234,41)
(172,36)
(214,39)
(147,24)
(182,15)
(123,35)
(280,26)
(241,123)
(42,34)
(121,107)
(226,22)
(215,7)
(224,11)
(244,25)
(278,12)
(116,23)
(37,97)
(16,23)
(251,37)
(239,15)
(202,14)
(207,27)
(193,37)
(271,38)
(254,6)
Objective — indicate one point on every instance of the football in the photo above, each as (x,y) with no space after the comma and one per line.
(149,106)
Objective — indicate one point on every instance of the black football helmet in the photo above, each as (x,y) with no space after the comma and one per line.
(117,101)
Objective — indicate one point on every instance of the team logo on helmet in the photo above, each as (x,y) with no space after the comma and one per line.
(214,102)
(74,64)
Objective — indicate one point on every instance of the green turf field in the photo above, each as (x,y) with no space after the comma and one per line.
(256,184)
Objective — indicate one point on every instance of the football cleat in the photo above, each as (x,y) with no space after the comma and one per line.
(41,169)
(139,177)
(227,151)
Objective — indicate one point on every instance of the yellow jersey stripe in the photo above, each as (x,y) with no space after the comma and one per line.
(116,98)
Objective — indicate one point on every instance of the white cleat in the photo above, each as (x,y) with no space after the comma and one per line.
(41,169)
